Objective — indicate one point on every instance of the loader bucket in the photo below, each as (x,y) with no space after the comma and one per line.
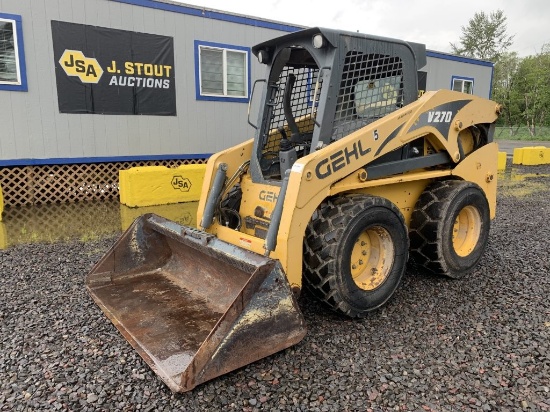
(193,306)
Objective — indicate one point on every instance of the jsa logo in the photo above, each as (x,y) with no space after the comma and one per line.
(440,116)
(76,64)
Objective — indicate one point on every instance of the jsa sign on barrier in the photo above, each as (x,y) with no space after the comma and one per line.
(107,71)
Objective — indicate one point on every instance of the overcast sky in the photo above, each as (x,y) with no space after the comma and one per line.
(432,22)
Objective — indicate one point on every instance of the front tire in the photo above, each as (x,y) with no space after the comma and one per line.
(356,250)
(449,228)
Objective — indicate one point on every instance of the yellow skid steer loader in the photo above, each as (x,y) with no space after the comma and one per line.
(350,176)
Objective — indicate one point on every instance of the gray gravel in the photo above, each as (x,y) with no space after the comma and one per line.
(482,343)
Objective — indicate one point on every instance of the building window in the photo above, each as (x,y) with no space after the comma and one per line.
(12,58)
(222,72)
(463,84)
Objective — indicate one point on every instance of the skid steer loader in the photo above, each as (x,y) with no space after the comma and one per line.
(350,176)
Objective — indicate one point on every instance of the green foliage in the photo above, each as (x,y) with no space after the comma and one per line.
(521,85)
(542,133)
(485,37)
(504,88)
(532,90)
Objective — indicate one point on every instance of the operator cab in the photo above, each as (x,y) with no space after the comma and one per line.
(323,85)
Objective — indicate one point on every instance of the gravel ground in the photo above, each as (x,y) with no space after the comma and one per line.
(482,343)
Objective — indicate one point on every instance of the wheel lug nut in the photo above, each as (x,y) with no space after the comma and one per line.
(360,262)
(364,253)
(353,266)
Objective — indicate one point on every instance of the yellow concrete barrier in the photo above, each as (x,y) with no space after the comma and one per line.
(3,233)
(531,156)
(3,236)
(517,158)
(184,213)
(1,203)
(501,161)
(160,185)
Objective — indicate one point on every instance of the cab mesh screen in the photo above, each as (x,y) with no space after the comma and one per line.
(371,87)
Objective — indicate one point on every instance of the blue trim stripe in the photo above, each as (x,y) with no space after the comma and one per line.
(210,14)
(106,159)
(461,59)
(21,54)
(220,98)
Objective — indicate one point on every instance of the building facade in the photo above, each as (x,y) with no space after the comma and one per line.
(447,71)
(90,87)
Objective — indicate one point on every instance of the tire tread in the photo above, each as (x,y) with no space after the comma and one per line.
(425,237)
(321,244)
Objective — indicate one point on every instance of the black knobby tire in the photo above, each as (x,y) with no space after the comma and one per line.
(356,250)
(449,228)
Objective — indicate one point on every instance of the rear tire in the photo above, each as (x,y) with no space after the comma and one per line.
(356,250)
(449,228)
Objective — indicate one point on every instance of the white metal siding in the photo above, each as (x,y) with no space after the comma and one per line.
(442,69)
(31,126)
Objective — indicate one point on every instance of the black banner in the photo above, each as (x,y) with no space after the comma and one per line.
(107,71)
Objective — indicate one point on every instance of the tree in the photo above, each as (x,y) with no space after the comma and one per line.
(485,37)
(504,90)
(531,89)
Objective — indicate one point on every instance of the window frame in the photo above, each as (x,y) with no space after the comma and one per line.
(225,48)
(21,84)
(463,80)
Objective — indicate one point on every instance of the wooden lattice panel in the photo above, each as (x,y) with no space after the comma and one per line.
(33,185)
(16,182)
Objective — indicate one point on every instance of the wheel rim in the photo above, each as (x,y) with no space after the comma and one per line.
(372,258)
(466,231)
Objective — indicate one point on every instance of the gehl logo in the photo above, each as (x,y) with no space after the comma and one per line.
(76,64)
(340,159)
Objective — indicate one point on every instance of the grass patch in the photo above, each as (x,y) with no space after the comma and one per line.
(542,134)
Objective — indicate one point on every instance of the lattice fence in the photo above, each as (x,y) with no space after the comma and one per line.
(32,185)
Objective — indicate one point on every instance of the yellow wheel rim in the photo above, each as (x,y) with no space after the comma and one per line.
(466,231)
(372,258)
